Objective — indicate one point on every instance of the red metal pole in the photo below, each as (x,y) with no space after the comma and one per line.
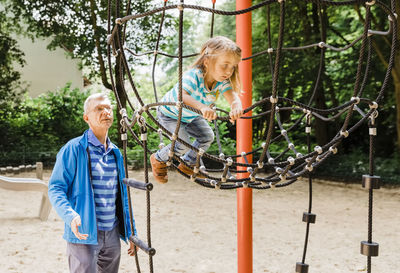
(244,143)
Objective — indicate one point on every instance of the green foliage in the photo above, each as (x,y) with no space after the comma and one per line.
(36,128)
(10,56)
(351,166)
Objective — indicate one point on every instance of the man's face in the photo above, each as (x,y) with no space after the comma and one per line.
(99,115)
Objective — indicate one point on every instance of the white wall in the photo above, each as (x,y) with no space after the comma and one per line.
(47,70)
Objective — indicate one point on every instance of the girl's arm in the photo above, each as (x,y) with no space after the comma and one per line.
(207,112)
(236,105)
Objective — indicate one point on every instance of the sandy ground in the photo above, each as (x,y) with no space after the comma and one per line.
(194,229)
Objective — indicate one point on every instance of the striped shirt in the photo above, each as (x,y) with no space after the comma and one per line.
(193,83)
(104,182)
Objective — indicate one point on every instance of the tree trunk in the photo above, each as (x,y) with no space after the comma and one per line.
(119,85)
(396,77)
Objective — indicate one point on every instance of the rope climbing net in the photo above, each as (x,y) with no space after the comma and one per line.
(289,164)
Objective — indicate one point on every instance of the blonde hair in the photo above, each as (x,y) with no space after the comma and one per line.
(212,49)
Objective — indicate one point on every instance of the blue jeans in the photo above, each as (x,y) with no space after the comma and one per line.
(197,128)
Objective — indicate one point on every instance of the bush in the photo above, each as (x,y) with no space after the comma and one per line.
(35,129)
(351,167)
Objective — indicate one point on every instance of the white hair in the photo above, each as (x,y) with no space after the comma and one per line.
(95,96)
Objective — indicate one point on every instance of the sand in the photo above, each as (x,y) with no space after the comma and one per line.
(194,229)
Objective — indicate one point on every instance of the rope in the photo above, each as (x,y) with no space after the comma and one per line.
(287,169)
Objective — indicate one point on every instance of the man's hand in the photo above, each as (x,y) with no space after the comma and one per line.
(208,113)
(75,223)
(131,250)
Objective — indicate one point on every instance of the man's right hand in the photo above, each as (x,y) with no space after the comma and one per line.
(75,223)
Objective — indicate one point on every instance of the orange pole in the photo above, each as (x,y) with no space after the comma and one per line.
(244,143)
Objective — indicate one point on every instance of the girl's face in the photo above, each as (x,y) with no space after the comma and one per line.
(221,68)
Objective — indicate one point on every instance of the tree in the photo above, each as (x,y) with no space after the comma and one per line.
(10,55)
(80,27)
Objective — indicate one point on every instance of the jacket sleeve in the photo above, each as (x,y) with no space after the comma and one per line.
(60,182)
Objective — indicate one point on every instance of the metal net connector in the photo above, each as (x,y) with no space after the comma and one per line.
(318,159)
(260,165)
(159,131)
(278,170)
(333,150)
(223,179)
(318,149)
(273,100)
(298,155)
(245,184)
(124,136)
(243,154)
(271,185)
(263,145)
(280,1)
(344,133)
(143,137)
(271,160)
(370,3)
(309,168)
(308,129)
(357,99)
(372,131)
(161,145)
(249,169)
(217,185)
(270,50)
(390,18)
(118,21)
(373,105)
(180,7)
(168,163)
(123,113)
(284,133)
(192,178)
(282,177)
(170,153)
(321,44)
(145,108)
(291,145)
(174,136)
(229,161)
(195,170)
(178,104)
(252,178)
(291,160)
(221,156)
(277,109)
(201,152)
(155,52)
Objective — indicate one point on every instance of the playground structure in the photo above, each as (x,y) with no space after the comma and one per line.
(27,184)
(289,164)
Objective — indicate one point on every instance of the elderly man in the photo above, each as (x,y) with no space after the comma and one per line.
(87,192)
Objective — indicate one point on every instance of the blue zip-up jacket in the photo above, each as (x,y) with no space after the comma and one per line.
(71,193)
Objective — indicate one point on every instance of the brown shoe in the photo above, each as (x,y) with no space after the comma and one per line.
(189,170)
(159,169)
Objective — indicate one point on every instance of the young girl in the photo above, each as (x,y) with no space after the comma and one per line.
(215,72)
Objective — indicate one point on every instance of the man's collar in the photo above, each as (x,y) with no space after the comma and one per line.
(94,141)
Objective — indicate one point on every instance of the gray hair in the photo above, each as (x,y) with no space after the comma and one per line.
(95,96)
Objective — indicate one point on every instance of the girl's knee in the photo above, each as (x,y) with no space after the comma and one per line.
(209,136)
